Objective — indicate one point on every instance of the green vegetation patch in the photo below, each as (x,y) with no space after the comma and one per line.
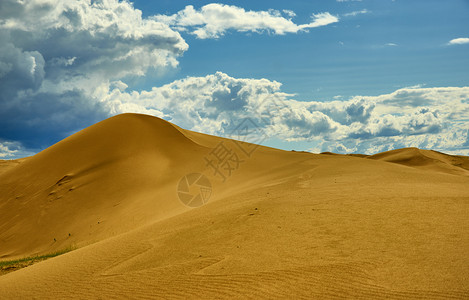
(16,264)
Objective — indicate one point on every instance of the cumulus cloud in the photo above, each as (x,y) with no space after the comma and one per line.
(213,20)
(422,117)
(436,118)
(13,149)
(56,56)
(58,59)
(459,41)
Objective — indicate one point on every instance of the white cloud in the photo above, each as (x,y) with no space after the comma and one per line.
(12,150)
(356,13)
(320,19)
(459,41)
(416,86)
(391,44)
(213,20)
(289,13)
(6,152)
(435,118)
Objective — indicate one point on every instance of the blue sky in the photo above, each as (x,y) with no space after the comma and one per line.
(343,76)
(347,58)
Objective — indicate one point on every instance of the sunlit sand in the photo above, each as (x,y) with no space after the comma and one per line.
(267,224)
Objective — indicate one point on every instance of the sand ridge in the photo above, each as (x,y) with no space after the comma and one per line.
(426,159)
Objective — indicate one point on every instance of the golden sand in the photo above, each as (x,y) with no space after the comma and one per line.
(283,224)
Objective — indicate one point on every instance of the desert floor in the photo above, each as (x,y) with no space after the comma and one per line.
(283,224)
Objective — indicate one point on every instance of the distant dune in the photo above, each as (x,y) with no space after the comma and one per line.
(426,159)
(276,224)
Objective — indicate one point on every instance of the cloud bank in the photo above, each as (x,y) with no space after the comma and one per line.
(434,118)
(56,57)
(213,20)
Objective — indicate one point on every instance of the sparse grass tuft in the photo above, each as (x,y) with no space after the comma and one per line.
(16,264)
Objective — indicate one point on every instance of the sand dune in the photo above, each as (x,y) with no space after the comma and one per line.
(426,159)
(284,224)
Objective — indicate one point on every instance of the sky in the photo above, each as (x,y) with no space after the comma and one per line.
(345,76)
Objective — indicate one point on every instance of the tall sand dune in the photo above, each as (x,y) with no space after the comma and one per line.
(278,224)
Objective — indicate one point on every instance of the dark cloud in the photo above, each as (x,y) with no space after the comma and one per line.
(359,111)
(19,70)
(39,120)
(58,59)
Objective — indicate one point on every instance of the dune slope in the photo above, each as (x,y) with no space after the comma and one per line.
(98,182)
(107,179)
(426,159)
(281,225)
